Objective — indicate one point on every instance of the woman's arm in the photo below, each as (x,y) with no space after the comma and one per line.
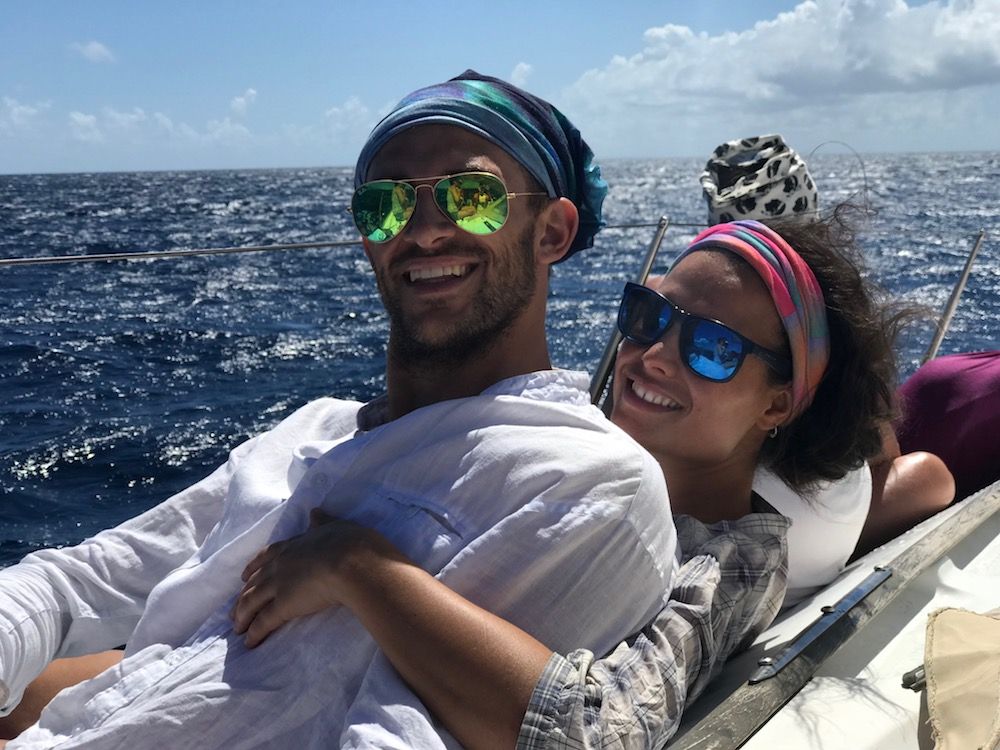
(472,669)
(60,674)
(493,685)
(569,573)
(906,489)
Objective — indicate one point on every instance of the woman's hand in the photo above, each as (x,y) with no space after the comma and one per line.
(303,575)
(475,671)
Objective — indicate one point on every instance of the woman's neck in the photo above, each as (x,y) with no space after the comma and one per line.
(709,493)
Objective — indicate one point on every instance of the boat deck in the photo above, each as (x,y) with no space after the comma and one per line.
(856,698)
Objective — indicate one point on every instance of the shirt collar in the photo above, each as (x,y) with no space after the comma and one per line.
(562,386)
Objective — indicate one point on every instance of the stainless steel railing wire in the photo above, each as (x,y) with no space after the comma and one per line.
(277,247)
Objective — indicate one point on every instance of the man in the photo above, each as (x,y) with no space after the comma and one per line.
(481,463)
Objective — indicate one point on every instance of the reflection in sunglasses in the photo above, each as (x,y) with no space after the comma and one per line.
(475,201)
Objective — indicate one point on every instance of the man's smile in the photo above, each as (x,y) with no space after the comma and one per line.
(445,272)
(438,275)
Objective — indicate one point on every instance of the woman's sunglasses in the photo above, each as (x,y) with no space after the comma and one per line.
(709,348)
(475,201)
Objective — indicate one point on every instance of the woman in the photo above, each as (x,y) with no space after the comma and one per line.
(804,390)
(762,177)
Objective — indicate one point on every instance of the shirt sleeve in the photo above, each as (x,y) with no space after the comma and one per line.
(88,598)
(722,598)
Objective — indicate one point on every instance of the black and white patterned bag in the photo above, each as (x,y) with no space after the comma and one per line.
(758,178)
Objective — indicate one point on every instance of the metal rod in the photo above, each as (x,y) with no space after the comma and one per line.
(603,371)
(956,293)
(157,254)
(635,225)
(749,707)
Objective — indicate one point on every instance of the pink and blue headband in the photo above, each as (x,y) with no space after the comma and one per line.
(794,289)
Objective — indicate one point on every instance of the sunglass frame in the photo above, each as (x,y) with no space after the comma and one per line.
(433,184)
(779,363)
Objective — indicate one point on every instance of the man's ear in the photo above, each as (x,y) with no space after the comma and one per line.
(556,230)
(778,411)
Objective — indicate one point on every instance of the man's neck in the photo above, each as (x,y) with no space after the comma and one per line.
(412,385)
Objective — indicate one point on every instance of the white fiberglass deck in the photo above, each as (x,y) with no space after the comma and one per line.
(856,700)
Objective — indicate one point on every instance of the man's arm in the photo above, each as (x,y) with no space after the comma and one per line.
(87,598)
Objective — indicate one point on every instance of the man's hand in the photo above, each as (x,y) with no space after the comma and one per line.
(302,575)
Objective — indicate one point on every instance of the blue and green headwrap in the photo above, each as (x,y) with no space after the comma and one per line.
(531,130)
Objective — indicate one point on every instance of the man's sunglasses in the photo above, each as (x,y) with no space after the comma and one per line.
(710,349)
(475,201)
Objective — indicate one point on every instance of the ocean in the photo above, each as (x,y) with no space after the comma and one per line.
(121,383)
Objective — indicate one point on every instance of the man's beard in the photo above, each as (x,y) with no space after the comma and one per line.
(493,312)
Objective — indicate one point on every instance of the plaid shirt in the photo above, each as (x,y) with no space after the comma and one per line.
(728,590)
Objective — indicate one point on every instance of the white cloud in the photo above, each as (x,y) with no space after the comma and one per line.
(84,127)
(110,125)
(841,56)
(127,121)
(164,124)
(93,51)
(349,114)
(16,116)
(519,76)
(136,127)
(340,135)
(239,104)
(350,122)
(226,131)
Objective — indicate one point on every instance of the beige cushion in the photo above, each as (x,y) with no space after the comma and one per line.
(962,663)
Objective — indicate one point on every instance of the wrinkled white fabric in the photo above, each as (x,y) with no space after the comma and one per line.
(524,499)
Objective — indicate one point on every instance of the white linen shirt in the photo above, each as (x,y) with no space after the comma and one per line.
(524,499)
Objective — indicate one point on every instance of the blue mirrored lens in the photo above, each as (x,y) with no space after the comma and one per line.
(714,351)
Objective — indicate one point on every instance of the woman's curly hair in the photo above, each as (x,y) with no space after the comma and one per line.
(841,428)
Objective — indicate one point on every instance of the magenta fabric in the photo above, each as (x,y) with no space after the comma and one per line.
(951,407)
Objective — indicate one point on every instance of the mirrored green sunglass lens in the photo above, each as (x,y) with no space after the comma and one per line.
(476,203)
(381,209)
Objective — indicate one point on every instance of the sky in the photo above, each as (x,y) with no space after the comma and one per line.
(113,85)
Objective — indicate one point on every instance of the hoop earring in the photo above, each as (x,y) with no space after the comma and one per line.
(773,432)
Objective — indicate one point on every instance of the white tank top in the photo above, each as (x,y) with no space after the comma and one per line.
(825,526)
